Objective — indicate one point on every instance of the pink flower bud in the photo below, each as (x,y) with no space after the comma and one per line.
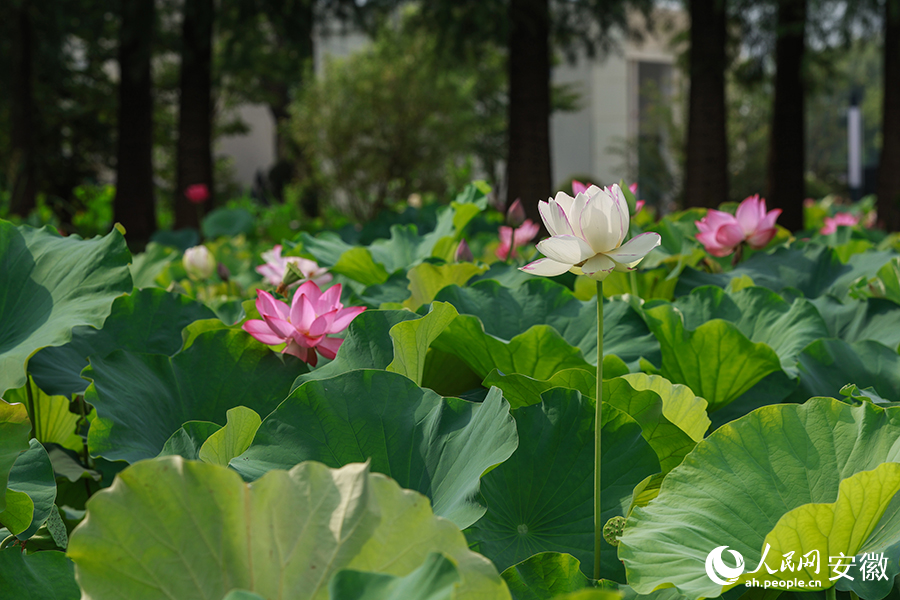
(515,216)
(197,193)
(463,252)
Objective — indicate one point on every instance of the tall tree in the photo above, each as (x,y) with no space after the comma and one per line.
(528,173)
(888,189)
(134,202)
(23,181)
(787,155)
(195,114)
(706,171)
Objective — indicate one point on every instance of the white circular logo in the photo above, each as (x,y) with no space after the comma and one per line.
(716,568)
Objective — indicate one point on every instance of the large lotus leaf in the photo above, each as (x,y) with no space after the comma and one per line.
(50,284)
(327,247)
(368,345)
(761,315)
(54,423)
(539,352)
(435,579)
(773,388)
(15,430)
(875,319)
(738,482)
(868,265)
(828,365)
(438,446)
(148,321)
(426,280)
(195,530)
(845,527)
(812,271)
(413,338)
(521,390)
(48,575)
(542,498)
(146,266)
(544,576)
(233,439)
(142,399)
(32,475)
(508,312)
(680,405)
(448,375)
(357,264)
(715,360)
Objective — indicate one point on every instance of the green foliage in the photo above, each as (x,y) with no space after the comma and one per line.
(396,119)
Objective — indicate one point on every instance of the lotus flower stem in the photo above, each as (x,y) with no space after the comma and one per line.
(830,593)
(598,414)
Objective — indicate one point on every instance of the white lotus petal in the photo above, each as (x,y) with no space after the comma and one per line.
(554,218)
(545,267)
(567,249)
(621,209)
(564,200)
(635,249)
(600,227)
(598,267)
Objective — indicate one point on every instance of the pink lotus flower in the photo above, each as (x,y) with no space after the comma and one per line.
(520,237)
(721,233)
(276,265)
(842,218)
(580,188)
(197,193)
(305,324)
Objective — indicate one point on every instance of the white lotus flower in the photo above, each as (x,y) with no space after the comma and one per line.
(587,233)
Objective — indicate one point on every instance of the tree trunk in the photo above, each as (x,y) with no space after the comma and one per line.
(195,114)
(528,160)
(134,202)
(787,151)
(23,182)
(889,164)
(706,171)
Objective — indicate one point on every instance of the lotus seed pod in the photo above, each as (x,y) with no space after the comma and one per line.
(613,530)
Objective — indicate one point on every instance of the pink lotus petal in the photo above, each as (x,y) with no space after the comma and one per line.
(261,332)
(344,317)
(303,313)
(279,326)
(730,234)
(329,300)
(761,238)
(633,188)
(578,187)
(266,304)
(322,324)
(328,347)
(638,205)
(526,232)
(308,289)
(748,214)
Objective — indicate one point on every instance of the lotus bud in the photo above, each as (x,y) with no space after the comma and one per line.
(463,252)
(515,216)
(199,263)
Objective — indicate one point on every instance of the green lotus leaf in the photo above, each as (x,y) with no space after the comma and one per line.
(542,497)
(738,483)
(715,360)
(426,280)
(521,390)
(448,375)
(589,595)
(53,421)
(544,576)
(826,366)
(540,352)
(874,319)
(142,399)
(669,441)
(19,512)
(148,321)
(357,264)
(843,527)
(680,405)
(47,575)
(813,271)
(147,265)
(412,339)
(368,345)
(233,439)
(187,441)
(508,312)
(242,595)
(327,247)
(437,446)
(32,474)
(15,431)
(51,284)
(761,315)
(435,579)
(195,530)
